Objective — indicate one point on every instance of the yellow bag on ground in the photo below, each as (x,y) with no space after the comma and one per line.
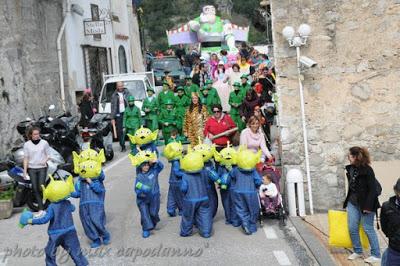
(339,235)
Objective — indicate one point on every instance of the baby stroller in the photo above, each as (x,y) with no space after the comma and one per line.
(273,207)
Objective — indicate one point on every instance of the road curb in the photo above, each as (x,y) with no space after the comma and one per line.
(321,255)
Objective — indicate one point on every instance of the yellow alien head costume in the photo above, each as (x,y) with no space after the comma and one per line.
(204,149)
(193,161)
(173,151)
(58,190)
(143,136)
(88,163)
(247,159)
(142,157)
(227,156)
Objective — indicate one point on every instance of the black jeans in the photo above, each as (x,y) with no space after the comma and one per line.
(120,129)
(38,178)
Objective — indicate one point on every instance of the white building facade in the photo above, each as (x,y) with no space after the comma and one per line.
(89,55)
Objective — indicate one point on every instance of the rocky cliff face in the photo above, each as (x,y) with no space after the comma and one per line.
(352,97)
(28,62)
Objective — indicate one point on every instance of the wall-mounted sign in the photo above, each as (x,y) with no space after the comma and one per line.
(92,27)
(121,37)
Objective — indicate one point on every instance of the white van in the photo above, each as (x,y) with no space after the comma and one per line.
(136,83)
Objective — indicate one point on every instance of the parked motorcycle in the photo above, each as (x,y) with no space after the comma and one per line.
(60,132)
(98,135)
(12,174)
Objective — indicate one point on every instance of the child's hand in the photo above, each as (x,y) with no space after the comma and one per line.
(153,161)
(88,180)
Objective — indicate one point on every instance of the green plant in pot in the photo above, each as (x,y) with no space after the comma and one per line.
(6,203)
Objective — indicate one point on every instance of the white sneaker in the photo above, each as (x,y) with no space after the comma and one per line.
(354,256)
(372,259)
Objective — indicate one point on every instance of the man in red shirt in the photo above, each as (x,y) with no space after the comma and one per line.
(219,122)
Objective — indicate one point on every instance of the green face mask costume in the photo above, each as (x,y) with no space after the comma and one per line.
(192,162)
(173,151)
(247,159)
(207,151)
(143,136)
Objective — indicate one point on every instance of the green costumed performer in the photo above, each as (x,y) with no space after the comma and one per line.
(212,91)
(168,119)
(150,109)
(245,86)
(182,102)
(236,98)
(207,99)
(165,95)
(190,87)
(132,117)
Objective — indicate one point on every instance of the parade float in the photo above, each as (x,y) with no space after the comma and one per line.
(210,32)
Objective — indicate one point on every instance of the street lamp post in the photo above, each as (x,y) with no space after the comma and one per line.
(298,40)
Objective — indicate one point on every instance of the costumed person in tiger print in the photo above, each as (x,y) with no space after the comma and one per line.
(195,118)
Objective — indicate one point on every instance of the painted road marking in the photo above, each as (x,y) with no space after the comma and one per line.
(124,157)
(281,257)
(3,259)
(270,232)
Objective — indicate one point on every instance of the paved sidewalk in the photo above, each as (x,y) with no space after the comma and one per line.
(318,224)
(387,173)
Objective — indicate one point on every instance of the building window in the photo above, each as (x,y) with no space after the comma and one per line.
(95,16)
(122,60)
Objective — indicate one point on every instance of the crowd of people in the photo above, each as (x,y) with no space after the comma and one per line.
(223,101)
(222,93)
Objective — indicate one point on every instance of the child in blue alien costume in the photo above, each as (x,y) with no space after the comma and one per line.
(91,191)
(173,153)
(196,207)
(147,189)
(245,194)
(61,229)
(144,139)
(227,160)
(207,151)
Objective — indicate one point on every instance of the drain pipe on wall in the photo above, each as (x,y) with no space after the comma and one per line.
(59,54)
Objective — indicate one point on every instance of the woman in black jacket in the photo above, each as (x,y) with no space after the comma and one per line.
(362,202)
(390,222)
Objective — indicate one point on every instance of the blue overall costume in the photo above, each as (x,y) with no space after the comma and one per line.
(174,192)
(196,207)
(148,196)
(246,197)
(211,191)
(91,209)
(227,199)
(61,232)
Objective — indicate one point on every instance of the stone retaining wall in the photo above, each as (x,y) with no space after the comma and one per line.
(353,95)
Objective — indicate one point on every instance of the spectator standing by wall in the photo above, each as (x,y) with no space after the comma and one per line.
(36,155)
(361,203)
(254,139)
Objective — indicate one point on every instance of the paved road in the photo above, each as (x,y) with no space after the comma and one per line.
(271,245)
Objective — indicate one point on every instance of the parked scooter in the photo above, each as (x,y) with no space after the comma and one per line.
(98,135)
(11,173)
